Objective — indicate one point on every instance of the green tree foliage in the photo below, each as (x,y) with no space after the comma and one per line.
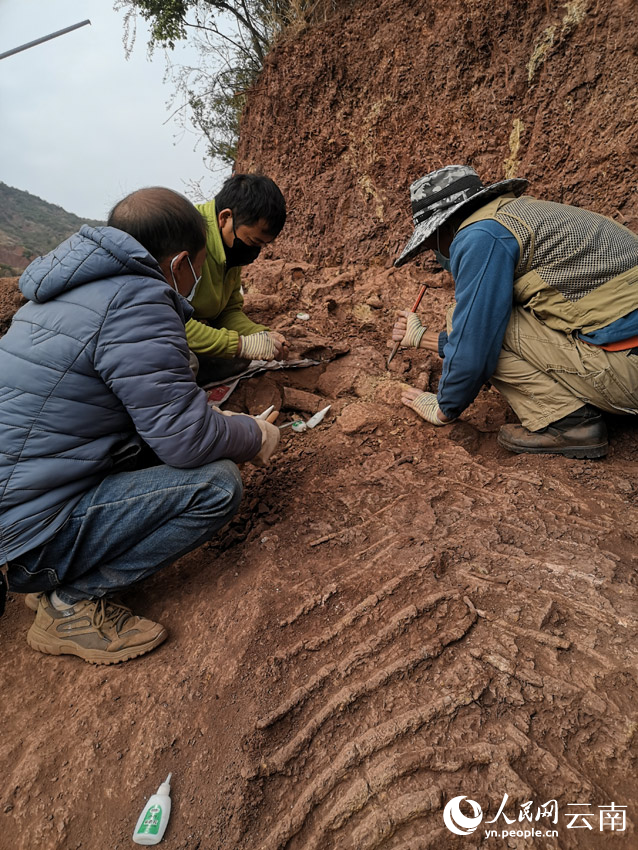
(233,38)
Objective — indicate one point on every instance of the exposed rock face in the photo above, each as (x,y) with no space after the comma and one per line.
(345,116)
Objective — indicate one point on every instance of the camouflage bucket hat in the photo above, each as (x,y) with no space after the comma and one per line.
(438,195)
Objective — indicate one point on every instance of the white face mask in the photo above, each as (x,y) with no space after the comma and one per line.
(191,294)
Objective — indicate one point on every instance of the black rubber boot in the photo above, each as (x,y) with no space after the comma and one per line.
(581,434)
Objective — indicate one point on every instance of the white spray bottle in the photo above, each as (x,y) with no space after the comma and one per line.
(151,824)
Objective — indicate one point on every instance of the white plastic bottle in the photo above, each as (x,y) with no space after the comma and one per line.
(151,824)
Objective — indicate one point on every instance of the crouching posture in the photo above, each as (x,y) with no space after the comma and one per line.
(247,214)
(545,309)
(112,463)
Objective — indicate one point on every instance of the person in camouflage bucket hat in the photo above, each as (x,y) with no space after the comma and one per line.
(440,194)
(545,311)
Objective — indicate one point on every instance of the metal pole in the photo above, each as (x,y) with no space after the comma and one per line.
(44,38)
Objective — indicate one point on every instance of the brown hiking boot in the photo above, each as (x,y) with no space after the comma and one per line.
(96,630)
(32,600)
(582,434)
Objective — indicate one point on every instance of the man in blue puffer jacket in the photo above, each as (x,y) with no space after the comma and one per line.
(112,464)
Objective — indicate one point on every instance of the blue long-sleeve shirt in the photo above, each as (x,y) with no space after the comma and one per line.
(483,258)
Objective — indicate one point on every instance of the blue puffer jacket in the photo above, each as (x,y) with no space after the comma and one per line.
(96,360)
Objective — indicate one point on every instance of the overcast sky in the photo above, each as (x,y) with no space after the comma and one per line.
(81,125)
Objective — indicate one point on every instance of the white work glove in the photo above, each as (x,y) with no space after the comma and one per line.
(269,439)
(408,329)
(261,346)
(280,344)
(426,405)
(227,412)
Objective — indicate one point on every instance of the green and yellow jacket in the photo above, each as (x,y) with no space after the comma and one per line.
(219,319)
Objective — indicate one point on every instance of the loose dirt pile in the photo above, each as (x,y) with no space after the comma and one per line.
(398,615)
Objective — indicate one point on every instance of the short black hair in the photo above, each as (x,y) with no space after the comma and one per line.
(252,197)
(161,220)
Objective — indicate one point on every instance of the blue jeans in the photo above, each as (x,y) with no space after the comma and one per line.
(128,527)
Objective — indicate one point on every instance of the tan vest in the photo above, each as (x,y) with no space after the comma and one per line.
(577,272)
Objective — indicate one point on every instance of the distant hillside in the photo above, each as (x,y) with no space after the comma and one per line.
(30,227)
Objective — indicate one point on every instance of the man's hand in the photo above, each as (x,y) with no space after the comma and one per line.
(269,439)
(265,345)
(227,412)
(282,345)
(408,329)
(425,404)
(269,434)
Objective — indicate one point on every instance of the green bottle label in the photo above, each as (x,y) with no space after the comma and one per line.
(151,823)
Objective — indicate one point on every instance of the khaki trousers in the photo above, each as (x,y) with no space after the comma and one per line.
(545,374)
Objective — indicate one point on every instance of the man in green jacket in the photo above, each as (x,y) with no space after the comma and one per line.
(248,213)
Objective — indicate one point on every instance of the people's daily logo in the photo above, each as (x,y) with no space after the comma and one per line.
(532,818)
(459,823)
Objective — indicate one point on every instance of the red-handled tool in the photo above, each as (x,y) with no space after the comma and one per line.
(413,310)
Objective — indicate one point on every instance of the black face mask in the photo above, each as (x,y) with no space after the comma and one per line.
(240,254)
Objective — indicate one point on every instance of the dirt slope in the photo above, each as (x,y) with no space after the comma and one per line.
(345,118)
(398,615)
